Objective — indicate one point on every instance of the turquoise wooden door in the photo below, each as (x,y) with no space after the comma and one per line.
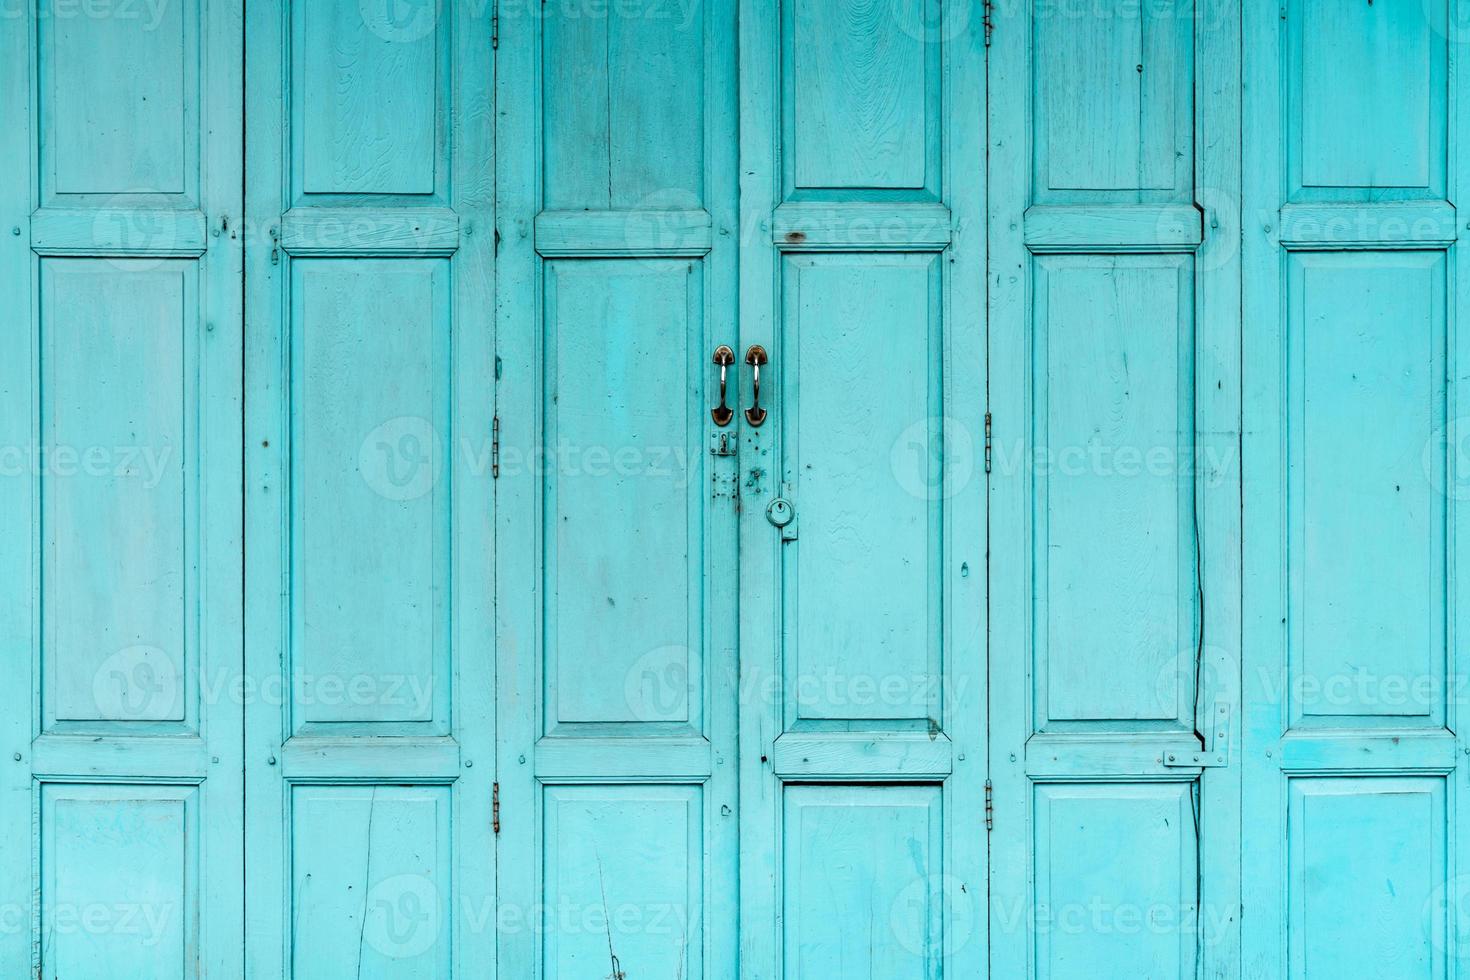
(370,371)
(1114,505)
(616,501)
(120,799)
(727,488)
(862,537)
(1355,526)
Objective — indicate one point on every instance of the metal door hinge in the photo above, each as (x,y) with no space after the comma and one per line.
(495,28)
(989,21)
(989,806)
(988,442)
(495,448)
(495,809)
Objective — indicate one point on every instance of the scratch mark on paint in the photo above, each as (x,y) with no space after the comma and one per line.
(617,968)
(367,870)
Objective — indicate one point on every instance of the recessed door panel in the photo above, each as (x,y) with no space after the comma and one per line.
(1384,912)
(371,424)
(120,886)
(1335,73)
(863,331)
(860,98)
(1113,93)
(1365,378)
(120,645)
(1114,548)
(876,853)
(371,879)
(623,113)
(624,422)
(1116,873)
(111,134)
(368,109)
(634,855)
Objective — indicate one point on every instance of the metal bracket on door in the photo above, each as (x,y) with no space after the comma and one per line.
(1215,751)
(724,480)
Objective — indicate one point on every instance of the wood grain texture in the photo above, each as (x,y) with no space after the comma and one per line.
(120,573)
(1221,495)
(615,524)
(1114,581)
(1352,373)
(864,619)
(370,377)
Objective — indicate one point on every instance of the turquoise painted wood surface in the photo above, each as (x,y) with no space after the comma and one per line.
(1114,499)
(1354,542)
(370,368)
(1078,597)
(616,506)
(120,508)
(862,620)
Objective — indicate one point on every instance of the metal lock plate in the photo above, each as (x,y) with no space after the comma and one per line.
(782,514)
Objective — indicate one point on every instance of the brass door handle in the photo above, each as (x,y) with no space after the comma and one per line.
(755,357)
(723,413)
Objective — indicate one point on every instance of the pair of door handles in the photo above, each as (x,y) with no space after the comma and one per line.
(723,413)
